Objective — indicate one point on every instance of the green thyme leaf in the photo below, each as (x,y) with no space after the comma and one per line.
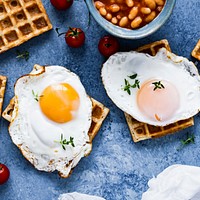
(126,82)
(158,85)
(35,95)
(190,139)
(24,55)
(64,142)
(128,85)
(63,147)
(133,76)
(136,84)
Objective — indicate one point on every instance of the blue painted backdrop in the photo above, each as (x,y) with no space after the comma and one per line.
(117,168)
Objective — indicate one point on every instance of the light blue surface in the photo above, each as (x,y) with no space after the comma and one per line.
(117,168)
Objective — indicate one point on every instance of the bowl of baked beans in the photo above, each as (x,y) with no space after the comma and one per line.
(131,19)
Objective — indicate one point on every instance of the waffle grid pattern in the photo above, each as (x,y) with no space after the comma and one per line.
(99,111)
(21,20)
(141,131)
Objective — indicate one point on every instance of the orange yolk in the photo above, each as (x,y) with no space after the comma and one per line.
(59,102)
(159,104)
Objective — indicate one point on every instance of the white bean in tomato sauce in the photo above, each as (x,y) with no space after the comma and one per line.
(131,14)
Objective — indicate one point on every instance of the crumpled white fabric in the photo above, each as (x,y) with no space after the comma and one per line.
(177,182)
(78,196)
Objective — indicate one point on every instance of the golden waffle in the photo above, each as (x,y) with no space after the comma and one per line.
(3,80)
(20,20)
(153,48)
(196,51)
(7,113)
(141,131)
(99,113)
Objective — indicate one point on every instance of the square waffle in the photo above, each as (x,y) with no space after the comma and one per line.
(196,51)
(3,80)
(7,113)
(20,20)
(141,131)
(154,47)
(99,113)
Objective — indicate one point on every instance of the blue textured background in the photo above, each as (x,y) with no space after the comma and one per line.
(117,168)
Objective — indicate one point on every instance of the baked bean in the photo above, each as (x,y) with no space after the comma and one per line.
(114,20)
(129,3)
(114,8)
(108,16)
(145,10)
(129,14)
(119,16)
(99,4)
(120,1)
(150,17)
(151,4)
(159,2)
(133,13)
(123,22)
(136,22)
(102,11)
(159,8)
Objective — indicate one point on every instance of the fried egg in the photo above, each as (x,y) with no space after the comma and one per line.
(51,120)
(157,90)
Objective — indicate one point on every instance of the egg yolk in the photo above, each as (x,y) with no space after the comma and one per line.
(59,102)
(158,104)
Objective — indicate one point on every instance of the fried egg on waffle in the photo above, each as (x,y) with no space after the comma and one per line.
(157,90)
(51,119)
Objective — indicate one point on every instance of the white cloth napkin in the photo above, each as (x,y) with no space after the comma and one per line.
(78,196)
(177,182)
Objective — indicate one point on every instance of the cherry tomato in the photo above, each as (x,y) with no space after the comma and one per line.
(75,37)
(61,4)
(108,45)
(4,173)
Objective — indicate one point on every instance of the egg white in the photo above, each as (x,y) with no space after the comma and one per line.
(164,66)
(37,135)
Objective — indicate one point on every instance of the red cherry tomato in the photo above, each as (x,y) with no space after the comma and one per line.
(75,37)
(4,173)
(108,45)
(61,4)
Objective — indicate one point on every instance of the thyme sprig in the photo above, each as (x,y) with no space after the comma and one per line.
(36,96)
(190,139)
(158,85)
(24,55)
(128,86)
(64,142)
